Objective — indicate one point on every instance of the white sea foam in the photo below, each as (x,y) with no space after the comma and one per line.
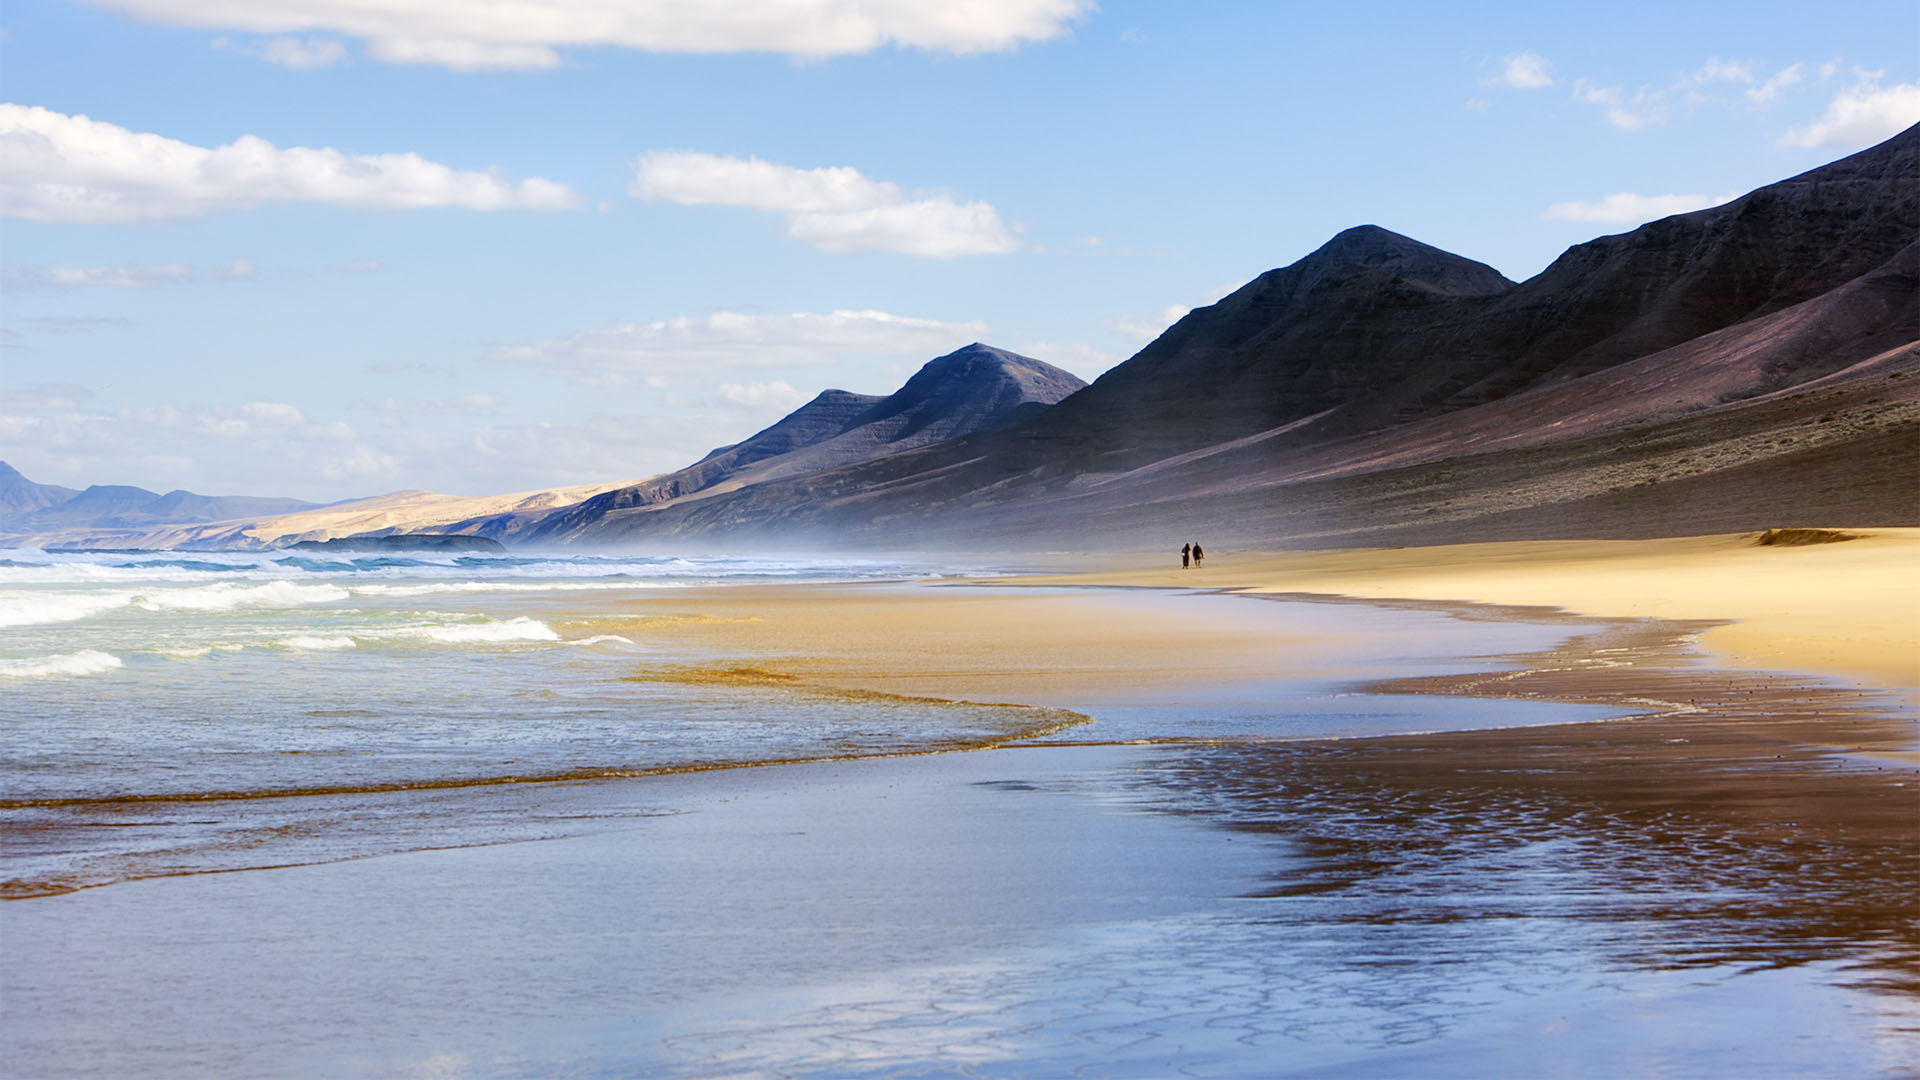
(34,609)
(601,639)
(316,641)
(519,628)
(442,587)
(227,596)
(84,662)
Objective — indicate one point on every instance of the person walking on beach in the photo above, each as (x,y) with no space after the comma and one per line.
(1197,555)
(1184,548)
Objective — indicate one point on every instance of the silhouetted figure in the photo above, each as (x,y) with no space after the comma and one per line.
(1197,556)
(1184,548)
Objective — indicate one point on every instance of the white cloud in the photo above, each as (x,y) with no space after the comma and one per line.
(1083,360)
(777,394)
(1771,90)
(836,209)
(1861,115)
(359,266)
(74,170)
(462,55)
(458,405)
(1627,208)
(25,278)
(303,54)
(466,35)
(1522,71)
(33,278)
(1627,114)
(273,413)
(1716,70)
(1141,329)
(1706,85)
(288,52)
(731,341)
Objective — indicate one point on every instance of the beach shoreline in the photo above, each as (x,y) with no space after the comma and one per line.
(1720,840)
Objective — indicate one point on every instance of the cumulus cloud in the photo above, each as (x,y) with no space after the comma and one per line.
(835,209)
(1522,71)
(1627,208)
(75,170)
(1861,115)
(461,54)
(302,54)
(468,35)
(775,394)
(730,341)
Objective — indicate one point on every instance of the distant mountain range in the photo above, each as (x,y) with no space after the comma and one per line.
(29,507)
(1750,365)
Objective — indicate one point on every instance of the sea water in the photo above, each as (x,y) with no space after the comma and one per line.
(292,690)
(1048,910)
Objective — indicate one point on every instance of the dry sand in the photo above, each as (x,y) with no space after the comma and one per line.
(1850,609)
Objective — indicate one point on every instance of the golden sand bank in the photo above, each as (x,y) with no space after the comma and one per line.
(1848,608)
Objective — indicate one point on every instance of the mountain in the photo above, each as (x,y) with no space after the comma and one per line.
(1724,369)
(21,496)
(969,390)
(33,509)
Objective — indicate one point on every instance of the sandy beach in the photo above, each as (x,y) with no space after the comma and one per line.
(1604,853)
(1842,608)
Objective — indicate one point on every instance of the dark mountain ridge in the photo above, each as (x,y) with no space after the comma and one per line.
(969,390)
(1349,350)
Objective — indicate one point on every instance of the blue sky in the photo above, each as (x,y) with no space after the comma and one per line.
(325,249)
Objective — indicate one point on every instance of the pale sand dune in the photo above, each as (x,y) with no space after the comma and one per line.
(1850,609)
(413,510)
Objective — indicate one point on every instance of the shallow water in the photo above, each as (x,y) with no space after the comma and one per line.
(1241,908)
(167,715)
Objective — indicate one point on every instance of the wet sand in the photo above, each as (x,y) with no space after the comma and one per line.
(1719,881)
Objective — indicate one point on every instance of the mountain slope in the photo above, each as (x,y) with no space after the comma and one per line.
(19,495)
(966,391)
(1331,397)
(31,508)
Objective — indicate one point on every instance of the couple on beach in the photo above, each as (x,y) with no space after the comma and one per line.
(1191,551)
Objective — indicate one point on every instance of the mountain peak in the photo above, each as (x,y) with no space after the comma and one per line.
(978,378)
(1370,247)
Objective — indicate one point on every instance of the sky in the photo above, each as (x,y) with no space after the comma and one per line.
(334,248)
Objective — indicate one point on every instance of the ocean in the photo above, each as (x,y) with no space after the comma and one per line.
(499,828)
(293,689)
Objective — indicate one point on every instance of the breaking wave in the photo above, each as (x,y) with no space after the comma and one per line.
(59,665)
